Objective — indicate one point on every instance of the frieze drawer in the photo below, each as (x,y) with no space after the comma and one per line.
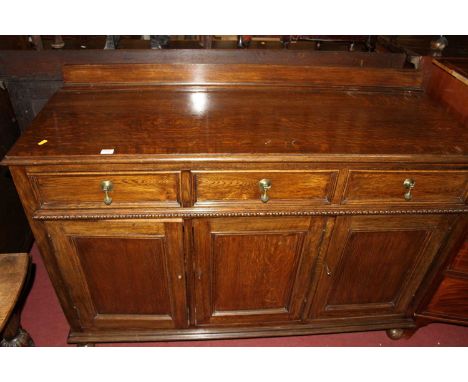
(264,187)
(405,187)
(106,190)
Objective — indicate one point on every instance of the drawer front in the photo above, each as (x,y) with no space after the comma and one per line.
(451,299)
(389,187)
(84,190)
(303,187)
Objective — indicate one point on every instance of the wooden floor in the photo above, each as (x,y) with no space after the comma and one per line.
(43,318)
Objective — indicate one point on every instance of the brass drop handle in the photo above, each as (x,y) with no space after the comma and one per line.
(107,186)
(409,185)
(264,185)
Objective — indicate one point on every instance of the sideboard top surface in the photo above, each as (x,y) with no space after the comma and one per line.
(144,121)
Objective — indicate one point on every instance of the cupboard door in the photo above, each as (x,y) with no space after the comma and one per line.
(123,273)
(253,270)
(374,264)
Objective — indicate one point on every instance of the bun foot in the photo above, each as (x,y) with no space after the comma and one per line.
(86,345)
(22,339)
(395,334)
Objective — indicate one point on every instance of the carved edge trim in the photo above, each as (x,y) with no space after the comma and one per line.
(248,214)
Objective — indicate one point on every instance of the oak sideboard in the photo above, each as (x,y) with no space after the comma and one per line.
(178,201)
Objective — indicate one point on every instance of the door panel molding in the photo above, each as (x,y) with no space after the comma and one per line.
(374,265)
(254,272)
(100,257)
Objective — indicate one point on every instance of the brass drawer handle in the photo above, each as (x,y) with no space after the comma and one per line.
(264,185)
(409,185)
(107,186)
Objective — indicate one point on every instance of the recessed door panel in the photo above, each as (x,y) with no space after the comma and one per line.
(375,264)
(375,257)
(125,276)
(123,273)
(253,270)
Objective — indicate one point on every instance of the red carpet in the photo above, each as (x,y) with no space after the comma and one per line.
(44,319)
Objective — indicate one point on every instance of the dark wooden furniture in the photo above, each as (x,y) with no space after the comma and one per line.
(242,200)
(13,275)
(32,77)
(448,84)
(449,303)
(15,234)
(429,45)
(449,300)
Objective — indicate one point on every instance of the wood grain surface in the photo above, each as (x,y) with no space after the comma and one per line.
(451,299)
(13,271)
(336,247)
(387,187)
(446,89)
(217,121)
(196,74)
(47,64)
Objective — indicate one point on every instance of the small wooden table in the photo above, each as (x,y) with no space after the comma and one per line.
(13,274)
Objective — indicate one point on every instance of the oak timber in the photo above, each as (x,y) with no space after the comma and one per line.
(189,246)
